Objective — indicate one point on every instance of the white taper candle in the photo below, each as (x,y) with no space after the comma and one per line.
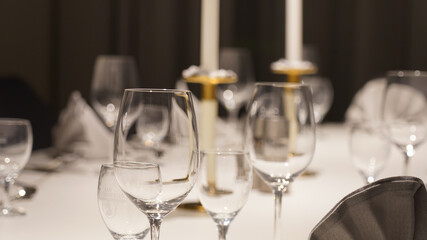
(293,24)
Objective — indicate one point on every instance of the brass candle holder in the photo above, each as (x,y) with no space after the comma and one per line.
(209,107)
(293,69)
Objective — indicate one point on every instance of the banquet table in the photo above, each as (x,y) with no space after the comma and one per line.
(65,204)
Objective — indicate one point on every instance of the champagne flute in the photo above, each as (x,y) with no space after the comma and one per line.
(224,185)
(405,111)
(369,148)
(122,218)
(179,162)
(112,74)
(280,136)
(16,141)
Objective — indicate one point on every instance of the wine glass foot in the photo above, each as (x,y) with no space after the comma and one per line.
(12,211)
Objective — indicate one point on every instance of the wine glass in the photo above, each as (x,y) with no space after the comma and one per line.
(280,136)
(179,161)
(122,218)
(405,111)
(16,141)
(369,148)
(234,96)
(152,125)
(323,94)
(112,74)
(224,185)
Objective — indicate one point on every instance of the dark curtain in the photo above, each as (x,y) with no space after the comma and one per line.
(352,41)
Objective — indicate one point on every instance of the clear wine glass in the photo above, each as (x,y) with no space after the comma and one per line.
(16,141)
(112,74)
(234,96)
(369,148)
(280,136)
(405,111)
(323,94)
(225,182)
(122,218)
(179,161)
(152,125)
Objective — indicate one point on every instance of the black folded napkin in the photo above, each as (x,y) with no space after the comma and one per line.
(393,208)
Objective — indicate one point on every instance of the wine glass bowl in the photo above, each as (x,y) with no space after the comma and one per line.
(16,141)
(177,136)
(224,185)
(280,136)
(322,94)
(112,74)
(405,111)
(234,96)
(369,148)
(122,218)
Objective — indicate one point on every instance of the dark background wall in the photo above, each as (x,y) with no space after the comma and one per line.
(52,44)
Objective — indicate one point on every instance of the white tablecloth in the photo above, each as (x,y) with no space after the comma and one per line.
(65,205)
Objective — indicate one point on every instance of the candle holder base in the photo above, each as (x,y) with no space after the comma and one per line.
(293,69)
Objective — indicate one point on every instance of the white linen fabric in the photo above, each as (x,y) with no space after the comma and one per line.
(80,131)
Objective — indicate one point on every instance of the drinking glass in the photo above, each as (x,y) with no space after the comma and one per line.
(369,148)
(280,136)
(122,218)
(179,161)
(234,96)
(322,95)
(405,111)
(224,185)
(16,141)
(112,74)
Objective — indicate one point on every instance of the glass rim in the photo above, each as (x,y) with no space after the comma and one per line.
(134,164)
(282,84)
(220,151)
(157,90)
(15,121)
(406,73)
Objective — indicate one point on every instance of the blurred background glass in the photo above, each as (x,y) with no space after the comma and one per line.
(112,74)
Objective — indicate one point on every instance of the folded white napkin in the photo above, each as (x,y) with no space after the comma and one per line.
(366,104)
(80,131)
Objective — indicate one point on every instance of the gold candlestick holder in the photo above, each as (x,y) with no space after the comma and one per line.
(293,69)
(209,107)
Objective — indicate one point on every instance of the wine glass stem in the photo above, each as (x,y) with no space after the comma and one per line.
(155,228)
(277,214)
(5,194)
(406,167)
(222,231)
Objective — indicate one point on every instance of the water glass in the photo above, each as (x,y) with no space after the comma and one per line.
(224,185)
(122,218)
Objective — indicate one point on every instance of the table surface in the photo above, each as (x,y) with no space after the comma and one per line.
(65,204)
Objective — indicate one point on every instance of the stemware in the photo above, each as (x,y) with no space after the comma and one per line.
(280,136)
(369,148)
(179,161)
(234,96)
(16,141)
(405,111)
(122,218)
(322,95)
(224,185)
(112,74)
